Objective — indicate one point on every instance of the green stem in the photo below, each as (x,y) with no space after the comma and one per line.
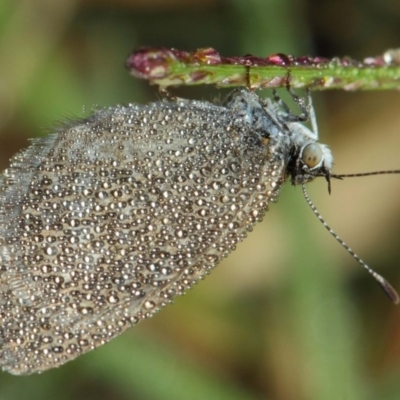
(170,67)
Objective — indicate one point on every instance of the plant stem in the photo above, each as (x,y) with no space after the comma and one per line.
(171,67)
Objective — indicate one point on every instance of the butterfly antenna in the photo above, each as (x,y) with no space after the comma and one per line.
(383,283)
(341,176)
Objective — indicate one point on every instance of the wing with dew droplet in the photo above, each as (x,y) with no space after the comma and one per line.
(110,218)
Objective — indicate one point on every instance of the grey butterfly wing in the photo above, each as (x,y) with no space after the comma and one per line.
(110,218)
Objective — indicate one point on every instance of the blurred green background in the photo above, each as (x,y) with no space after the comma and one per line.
(289,315)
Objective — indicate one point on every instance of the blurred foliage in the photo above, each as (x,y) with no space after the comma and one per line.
(289,315)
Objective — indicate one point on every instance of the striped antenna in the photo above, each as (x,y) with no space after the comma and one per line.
(341,176)
(383,283)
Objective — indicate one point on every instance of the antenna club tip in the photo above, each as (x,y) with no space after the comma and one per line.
(390,292)
(396,299)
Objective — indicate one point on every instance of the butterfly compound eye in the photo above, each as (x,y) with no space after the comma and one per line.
(312,155)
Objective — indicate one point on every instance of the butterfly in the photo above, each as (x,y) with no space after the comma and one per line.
(109,218)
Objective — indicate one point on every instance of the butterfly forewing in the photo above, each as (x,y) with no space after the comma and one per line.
(111,217)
